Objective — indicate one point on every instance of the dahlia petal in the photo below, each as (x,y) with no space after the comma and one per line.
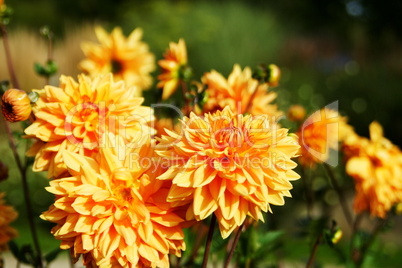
(76,161)
(148,252)
(158,243)
(126,232)
(169,174)
(87,242)
(109,242)
(84,225)
(82,205)
(203,204)
(106,224)
(69,225)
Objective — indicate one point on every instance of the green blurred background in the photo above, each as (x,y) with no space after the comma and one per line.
(342,50)
(346,50)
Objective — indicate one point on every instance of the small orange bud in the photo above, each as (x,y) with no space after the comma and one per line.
(296,113)
(16,105)
(274,75)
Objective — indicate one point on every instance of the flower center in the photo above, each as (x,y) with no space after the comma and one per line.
(117,66)
(89,114)
(230,137)
(122,185)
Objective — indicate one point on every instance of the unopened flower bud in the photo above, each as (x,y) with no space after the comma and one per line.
(296,113)
(336,236)
(274,75)
(16,105)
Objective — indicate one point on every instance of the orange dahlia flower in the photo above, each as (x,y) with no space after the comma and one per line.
(376,166)
(240,92)
(74,117)
(7,215)
(175,58)
(230,165)
(113,210)
(320,133)
(16,105)
(128,58)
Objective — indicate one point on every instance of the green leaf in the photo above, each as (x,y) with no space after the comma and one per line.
(47,70)
(268,243)
(14,250)
(52,255)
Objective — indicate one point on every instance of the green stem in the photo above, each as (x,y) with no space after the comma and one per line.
(209,241)
(314,251)
(232,249)
(341,196)
(187,107)
(308,185)
(21,167)
(13,77)
(359,255)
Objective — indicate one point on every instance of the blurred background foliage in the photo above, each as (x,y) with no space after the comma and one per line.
(346,50)
(342,50)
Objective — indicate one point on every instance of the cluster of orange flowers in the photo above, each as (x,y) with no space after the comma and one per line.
(122,196)
(376,166)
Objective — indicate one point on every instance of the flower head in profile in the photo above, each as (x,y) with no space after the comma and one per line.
(320,133)
(75,115)
(113,211)
(16,105)
(240,92)
(7,215)
(128,58)
(175,59)
(376,166)
(229,165)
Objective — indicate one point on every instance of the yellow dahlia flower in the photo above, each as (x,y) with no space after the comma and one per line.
(75,115)
(319,133)
(376,166)
(7,215)
(230,165)
(113,210)
(128,58)
(16,105)
(175,58)
(240,92)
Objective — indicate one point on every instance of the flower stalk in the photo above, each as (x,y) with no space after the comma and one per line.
(342,198)
(233,248)
(22,167)
(209,241)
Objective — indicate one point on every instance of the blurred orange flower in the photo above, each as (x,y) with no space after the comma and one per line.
(7,215)
(74,116)
(376,166)
(113,210)
(166,123)
(175,58)
(240,92)
(230,165)
(319,133)
(16,105)
(128,58)
(296,113)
